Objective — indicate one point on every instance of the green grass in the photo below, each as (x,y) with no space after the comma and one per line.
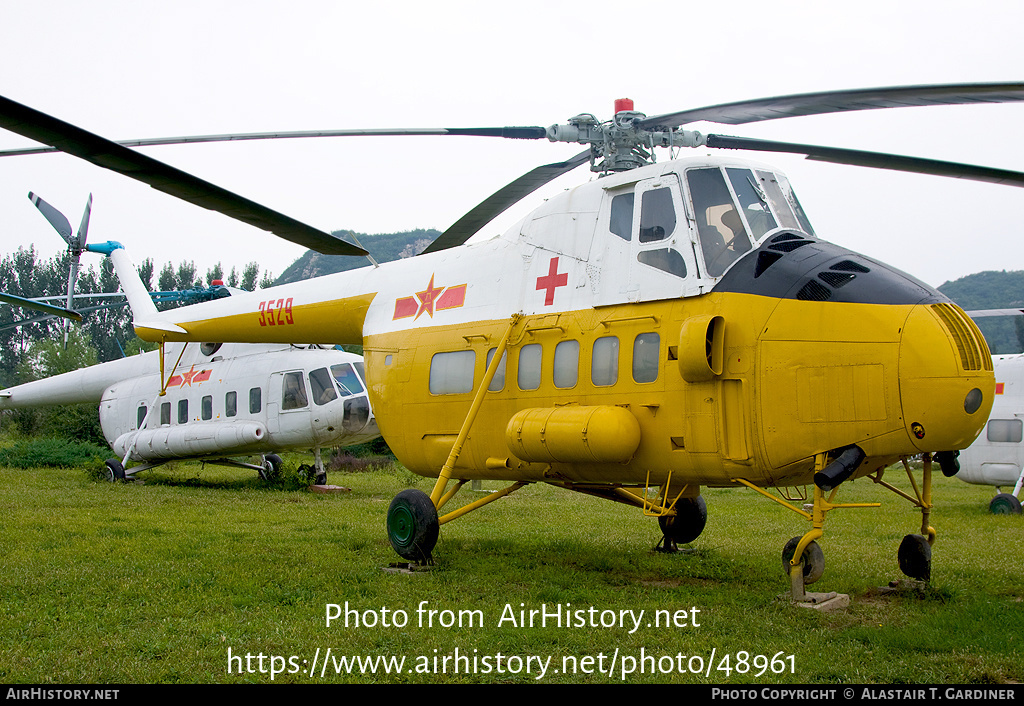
(154,582)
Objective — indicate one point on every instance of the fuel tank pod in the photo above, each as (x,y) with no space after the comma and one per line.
(574,434)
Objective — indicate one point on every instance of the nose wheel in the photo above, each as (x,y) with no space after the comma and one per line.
(115,471)
(1005,504)
(915,557)
(812,560)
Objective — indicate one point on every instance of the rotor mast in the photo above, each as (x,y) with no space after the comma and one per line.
(621,143)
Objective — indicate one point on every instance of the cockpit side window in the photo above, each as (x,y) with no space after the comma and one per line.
(348,382)
(621,221)
(657,215)
(784,202)
(293,392)
(719,226)
(805,224)
(322,386)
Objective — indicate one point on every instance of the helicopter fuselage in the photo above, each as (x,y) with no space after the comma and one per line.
(679,318)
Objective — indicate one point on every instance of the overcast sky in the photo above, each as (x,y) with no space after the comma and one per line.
(130,69)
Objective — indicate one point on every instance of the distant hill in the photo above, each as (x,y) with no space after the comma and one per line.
(993,290)
(384,247)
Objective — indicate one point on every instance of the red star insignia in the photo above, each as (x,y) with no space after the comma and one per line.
(427,298)
(186,378)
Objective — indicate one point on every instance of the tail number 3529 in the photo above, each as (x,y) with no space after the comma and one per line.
(275,312)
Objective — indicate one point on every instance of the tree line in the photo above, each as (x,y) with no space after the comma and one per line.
(105,333)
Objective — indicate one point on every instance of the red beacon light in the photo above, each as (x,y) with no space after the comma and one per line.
(217,283)
(623,105)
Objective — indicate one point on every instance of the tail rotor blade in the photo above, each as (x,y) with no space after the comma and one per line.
(83,229)
(55,217)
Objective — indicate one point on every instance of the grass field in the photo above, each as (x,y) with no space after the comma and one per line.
(156,582)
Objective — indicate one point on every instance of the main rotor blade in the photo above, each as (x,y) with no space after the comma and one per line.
(501,200)
(39,306)
(879,160)
(792,106)
(514,133)
(41,127)
(53,216)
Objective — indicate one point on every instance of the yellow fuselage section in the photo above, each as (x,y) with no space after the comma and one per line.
(746,386)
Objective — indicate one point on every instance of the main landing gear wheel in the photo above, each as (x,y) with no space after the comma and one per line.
(115,471)
(412,525)
(1005,504)
(686,525)
(915,557)
(813,560)
(271,467)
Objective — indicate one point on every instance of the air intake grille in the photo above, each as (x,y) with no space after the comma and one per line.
(974,353)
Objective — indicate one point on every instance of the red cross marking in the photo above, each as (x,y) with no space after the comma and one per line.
(551,281)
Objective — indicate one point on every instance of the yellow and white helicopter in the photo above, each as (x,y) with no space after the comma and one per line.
(219,401)
(668,326)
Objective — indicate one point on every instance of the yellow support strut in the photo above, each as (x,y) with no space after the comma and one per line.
(446,471)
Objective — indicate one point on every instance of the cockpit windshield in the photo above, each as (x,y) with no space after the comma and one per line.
(347,380)
(735,210)
(720,228)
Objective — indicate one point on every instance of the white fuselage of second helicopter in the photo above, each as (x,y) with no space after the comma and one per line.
(220,400)
(997,456)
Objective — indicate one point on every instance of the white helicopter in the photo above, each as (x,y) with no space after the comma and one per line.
(664,327)
(996,457)
(218,401)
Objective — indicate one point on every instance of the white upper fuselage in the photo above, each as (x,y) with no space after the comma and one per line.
(564,256)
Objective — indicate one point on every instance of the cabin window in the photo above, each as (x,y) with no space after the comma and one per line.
(165,413)
(255,400)
(451,373)
(645,357)
(361,369)
(664,259)
(182,411)
(207,407)
(753,202)
(348,382)
(567,364)
(322,385)
(141,415)
(529,366)
(1006,430)
(621,222)
(719,226)
(604,368)
(657,215)
(293,392)
(498,381)
(231,404)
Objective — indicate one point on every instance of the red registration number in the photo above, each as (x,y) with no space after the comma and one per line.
(276,312)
